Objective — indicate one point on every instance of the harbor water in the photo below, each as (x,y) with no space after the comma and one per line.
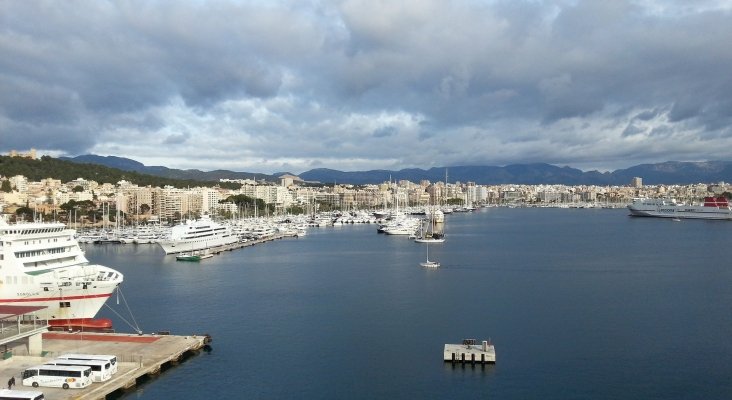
(579,303)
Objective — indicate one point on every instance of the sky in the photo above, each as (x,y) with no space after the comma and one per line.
(274,86)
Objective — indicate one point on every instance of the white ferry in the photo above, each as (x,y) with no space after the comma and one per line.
(199,234)
(42,265)
(713,208)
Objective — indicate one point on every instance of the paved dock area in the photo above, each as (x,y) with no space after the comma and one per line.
(138,356)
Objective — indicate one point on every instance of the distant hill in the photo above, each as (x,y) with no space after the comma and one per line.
(670,172)
(127,164)
(678,172)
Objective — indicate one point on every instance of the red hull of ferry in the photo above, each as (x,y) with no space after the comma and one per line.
(89,324)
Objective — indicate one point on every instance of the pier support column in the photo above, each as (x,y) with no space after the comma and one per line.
(35,344)
(176,359)
(154,371)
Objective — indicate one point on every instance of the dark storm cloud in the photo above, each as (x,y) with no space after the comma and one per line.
(31,101)
(363,84)
(57,137)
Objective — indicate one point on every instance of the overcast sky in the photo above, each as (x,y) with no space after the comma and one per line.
(269,86)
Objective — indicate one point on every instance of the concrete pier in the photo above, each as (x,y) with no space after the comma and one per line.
(138,356)
(239,245)
(470,352)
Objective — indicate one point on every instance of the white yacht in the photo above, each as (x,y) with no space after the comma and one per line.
(404,227)
(147,234)
(200,234)
(42,265)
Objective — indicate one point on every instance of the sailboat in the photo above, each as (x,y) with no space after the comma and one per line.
(430,234)
(428,263)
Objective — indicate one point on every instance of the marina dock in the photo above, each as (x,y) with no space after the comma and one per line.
(238,245)
(139,357)
(470,352)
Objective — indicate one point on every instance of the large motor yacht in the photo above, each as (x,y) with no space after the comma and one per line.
(199,234)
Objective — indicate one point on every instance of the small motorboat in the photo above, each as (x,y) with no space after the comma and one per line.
(187,257)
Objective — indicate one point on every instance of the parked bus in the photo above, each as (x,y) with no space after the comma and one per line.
(7,394)
(91,357)
(62,376)
(101,370)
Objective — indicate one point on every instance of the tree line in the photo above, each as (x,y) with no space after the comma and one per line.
(67,171)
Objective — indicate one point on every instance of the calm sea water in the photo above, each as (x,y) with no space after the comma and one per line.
(579,303)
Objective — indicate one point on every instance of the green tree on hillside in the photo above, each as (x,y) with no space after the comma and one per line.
(67,171)
(247,204)
(6,186)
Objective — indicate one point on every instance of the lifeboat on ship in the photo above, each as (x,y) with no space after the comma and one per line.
(84,324)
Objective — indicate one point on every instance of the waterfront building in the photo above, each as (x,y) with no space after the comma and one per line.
(19,183)
(83,183)
(210,201)
(280,196)
(170,203)
(549,197)
(62,197)
(471,194)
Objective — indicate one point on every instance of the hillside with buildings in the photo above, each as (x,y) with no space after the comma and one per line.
(50,189)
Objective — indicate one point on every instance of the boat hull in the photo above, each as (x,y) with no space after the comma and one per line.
(59,303)
(680,213)
(83,324)
(429,240)
(178,246)
(713,209)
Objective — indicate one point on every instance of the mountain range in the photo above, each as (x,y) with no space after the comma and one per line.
(670,172)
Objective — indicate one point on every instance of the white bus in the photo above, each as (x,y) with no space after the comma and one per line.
(101,370)
(7,394)
(92,357)
(57,376)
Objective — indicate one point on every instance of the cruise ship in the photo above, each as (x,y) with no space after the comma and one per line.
(42,265)
(199,234)
(713,208)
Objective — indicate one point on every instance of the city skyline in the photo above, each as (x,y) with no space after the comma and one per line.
(353,86)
